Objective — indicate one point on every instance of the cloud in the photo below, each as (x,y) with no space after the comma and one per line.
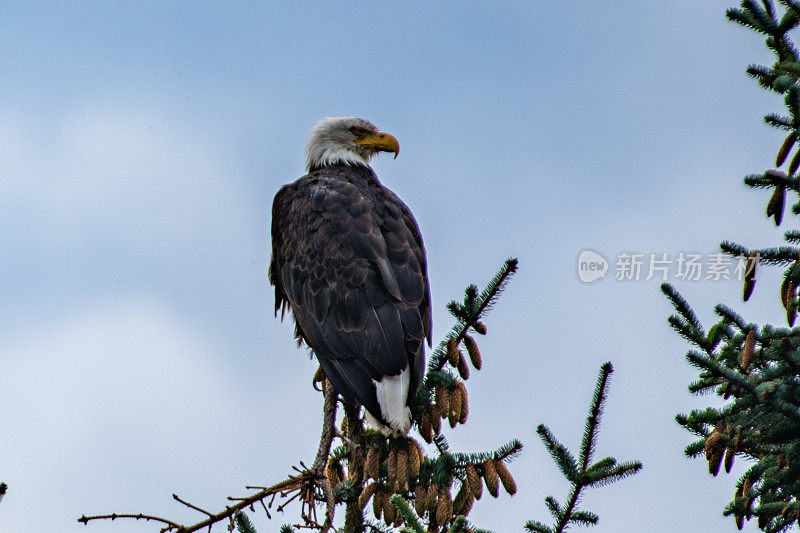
(129,174)
(114,407)
(126,394)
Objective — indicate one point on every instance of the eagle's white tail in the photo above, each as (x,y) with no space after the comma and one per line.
(392,394)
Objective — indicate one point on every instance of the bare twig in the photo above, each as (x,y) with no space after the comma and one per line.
(170,525)
(187,504)
(285,487)
(302,486)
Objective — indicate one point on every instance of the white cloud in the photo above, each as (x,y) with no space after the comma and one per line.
(131,174)
(114,408)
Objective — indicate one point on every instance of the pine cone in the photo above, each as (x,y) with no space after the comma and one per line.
(479,327)
(462,503)
(453,354)
(402,470)
(366,494)
(785,292)
(463,369)
(715,460)
(794,163)
(414,457)
(746,486)
(377,503)
(436,422)
(421,500)
(391,468)
(433,497)
(749,345)
(730,454)
(464,403)
(474,353)
(713,438)
(505,476)
(389,510)
(442,401)
(425,428)
(750,274)
(455,407)
(474,481)
(715,447)
(776,204)
(491,478)
(786,147)
(444,508)
(748,503)
(372,464)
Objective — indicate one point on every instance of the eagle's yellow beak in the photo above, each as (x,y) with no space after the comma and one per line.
(380,141)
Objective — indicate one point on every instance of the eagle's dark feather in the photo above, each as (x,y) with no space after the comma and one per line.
(348,260)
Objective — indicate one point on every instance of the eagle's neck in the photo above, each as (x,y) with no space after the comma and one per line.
(331,156)
(328,148)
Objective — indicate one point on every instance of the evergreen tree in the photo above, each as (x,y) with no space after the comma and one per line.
(756,369)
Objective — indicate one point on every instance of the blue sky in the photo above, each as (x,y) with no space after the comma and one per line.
(141,145)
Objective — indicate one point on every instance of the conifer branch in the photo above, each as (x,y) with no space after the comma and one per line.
(759,394)
(581,473)
(756,369)
(243,523)
(472,310)
(412,522)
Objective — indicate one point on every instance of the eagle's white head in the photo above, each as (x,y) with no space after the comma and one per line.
(346,140)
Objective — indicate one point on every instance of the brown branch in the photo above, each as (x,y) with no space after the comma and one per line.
(187,504)
(354,514)
(328,428)
(303,486)
(170,524)
(290,484)
(287,486)
(328,432)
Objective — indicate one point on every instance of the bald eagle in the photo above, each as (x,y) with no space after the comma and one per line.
(349,262)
